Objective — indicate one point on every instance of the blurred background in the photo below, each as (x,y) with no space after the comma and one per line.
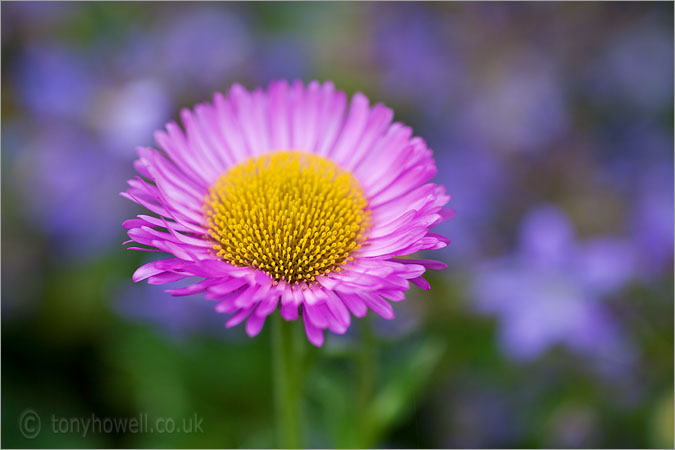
(552,126)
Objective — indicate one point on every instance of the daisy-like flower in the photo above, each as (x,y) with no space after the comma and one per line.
(289,198)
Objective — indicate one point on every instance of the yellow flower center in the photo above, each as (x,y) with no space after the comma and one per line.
(291,214)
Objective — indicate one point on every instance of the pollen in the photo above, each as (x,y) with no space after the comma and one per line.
(291,214)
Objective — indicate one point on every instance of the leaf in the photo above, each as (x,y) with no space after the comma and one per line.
(393,400)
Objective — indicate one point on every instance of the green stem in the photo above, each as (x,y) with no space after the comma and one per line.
(286,384)
(366,380)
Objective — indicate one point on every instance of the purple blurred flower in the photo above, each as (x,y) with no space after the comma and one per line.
(202,45)
(284,56)
(409,48)
(53,81)
(127,116)
(647,185)
(69,187)
(550,292)
(636,67)
(652,221)
(520,108)
(186,49)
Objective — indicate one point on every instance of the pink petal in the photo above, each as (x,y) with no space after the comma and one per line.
(239,316)
(421,282)
(255,323)
(314,334)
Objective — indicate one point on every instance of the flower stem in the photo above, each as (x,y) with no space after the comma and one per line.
(286,384)
(366,380)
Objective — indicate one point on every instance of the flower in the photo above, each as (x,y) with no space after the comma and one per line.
(521,110)
(48,174)
(200,45)
(634,69)
(550,292)
(289,199)
(652,224)
(53,81)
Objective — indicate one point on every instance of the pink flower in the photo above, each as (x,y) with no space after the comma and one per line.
(289,198)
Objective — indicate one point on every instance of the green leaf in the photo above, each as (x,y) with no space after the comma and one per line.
(392,401)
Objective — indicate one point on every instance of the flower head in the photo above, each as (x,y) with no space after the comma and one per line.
(289,199)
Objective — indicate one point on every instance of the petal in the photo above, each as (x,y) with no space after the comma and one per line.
(315,315)
(314,334)
(239,316)
(332,119)
(394,296)
(355,304)
(353,128)
(337,308)
(421,282)
(378,304)
(147,270)
(279,118)
(268,305)
(166,277)
(255,323)
(428,263)
(289,309)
